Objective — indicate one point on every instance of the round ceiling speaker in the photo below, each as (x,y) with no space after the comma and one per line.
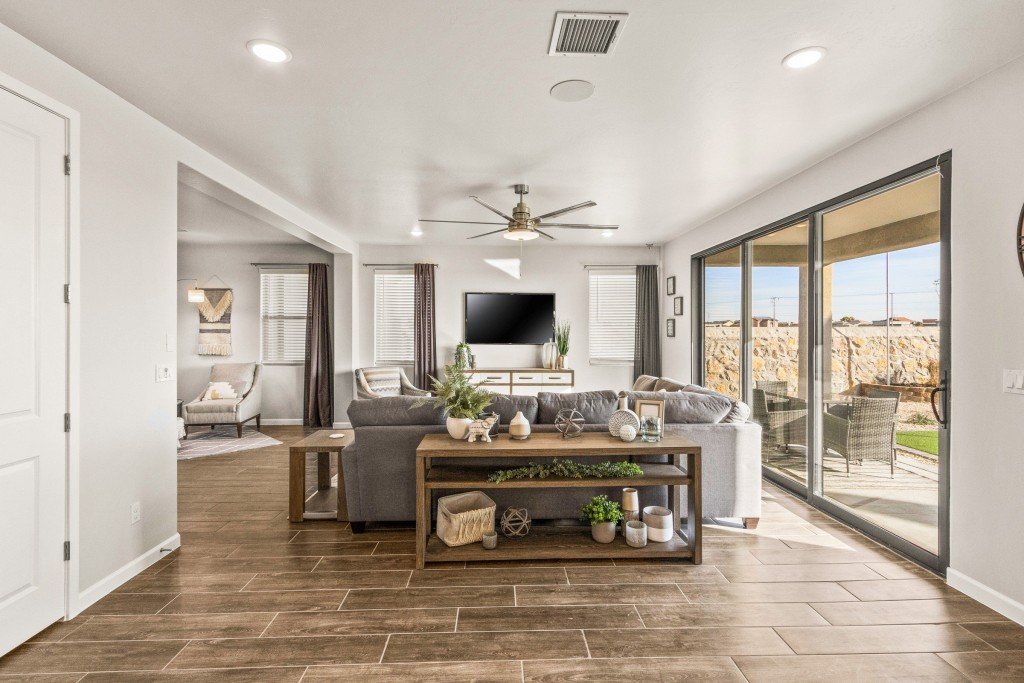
(572,91)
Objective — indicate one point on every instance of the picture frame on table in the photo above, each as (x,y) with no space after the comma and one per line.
(646,407)
(670,285)
(677,305)
(670,327)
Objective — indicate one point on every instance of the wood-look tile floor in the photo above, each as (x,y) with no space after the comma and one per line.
(252,597)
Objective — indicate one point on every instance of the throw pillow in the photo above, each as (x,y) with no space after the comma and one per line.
(740,411)
(683,407)
(217,390)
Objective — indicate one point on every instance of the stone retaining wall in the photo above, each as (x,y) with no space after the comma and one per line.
(858,357)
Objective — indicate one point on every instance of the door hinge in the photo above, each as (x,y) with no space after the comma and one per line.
(67,164)
(67,550)
(67,422)
(67,294)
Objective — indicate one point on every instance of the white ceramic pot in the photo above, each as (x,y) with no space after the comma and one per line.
(458,427)
(519,427)
(636,534)
(603,532)
(659,523)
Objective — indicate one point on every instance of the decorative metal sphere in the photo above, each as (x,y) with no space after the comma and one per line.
(569,423)
(515,522)
(627,433)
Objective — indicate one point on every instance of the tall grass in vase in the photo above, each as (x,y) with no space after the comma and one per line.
(561,343)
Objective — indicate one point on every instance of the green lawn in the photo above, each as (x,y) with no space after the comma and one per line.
(927,441)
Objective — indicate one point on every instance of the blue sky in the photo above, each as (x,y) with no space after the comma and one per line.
(858,288)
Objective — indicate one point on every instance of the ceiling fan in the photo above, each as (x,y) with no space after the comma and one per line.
(520,226)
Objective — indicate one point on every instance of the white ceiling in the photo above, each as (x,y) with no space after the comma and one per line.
(392,111)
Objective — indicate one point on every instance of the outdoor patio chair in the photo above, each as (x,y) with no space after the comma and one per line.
(780,427)
(869,433)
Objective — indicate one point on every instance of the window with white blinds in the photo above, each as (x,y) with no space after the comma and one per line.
(283,294)
(612,316)
(392,317)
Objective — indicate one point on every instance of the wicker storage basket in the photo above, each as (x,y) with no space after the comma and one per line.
(463,518)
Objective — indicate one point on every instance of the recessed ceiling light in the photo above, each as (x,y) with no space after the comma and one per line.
(416,231)
(269,51)
(804,57)
(572,91)
(607,233)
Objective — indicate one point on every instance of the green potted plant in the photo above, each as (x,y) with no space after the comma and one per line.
(461,401)
(561,343)
(603,515)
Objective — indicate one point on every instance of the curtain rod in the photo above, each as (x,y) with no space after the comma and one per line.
(283,265)
(395,265)
(587,266)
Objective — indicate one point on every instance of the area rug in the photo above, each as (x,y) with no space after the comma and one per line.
(203,442)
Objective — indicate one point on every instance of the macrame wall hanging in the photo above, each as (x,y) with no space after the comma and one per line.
(215,323)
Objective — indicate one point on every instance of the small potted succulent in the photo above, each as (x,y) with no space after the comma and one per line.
(603,515)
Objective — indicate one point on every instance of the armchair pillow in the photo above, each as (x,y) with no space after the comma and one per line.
(682,407)
(217,390)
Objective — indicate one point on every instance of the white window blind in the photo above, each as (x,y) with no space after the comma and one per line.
(283,294)
(612,316)
(392,317)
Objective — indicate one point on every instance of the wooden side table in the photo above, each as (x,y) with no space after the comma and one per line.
(323,445)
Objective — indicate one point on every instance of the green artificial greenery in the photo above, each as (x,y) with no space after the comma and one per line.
(569,470)
(456,396)
(600,510)
(462,354)
(562,337)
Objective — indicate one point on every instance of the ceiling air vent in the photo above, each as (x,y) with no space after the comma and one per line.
(585,33)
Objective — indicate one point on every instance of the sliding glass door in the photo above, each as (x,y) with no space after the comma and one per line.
(833,325)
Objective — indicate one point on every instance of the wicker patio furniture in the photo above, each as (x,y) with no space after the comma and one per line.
(782,426)
(868,432)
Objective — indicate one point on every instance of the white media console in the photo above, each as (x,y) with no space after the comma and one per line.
(522,381)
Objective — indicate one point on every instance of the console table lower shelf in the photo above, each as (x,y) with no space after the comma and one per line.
(556,542)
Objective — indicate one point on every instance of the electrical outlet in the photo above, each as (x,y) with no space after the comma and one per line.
(163,373)
(135,512)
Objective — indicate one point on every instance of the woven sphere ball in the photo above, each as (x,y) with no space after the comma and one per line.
(627,433)
(515,522)
(569,422)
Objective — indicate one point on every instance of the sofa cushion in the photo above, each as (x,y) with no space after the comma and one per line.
(235,373)
(666,384)
(507,406)
(595,406)
(393,410)
(740,411)
(645,383)
(682,407)
(213,405)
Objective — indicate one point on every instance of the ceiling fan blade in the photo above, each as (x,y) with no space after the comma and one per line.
(543,234)
(488,206)
(567,209)
(427,220)
(485,234)
(581,226)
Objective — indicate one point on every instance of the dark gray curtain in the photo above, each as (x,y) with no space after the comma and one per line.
(423,329)
(318,385)
(647,347)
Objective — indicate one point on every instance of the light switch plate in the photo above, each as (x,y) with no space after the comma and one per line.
(170,342)
(163,373)
(1013,381)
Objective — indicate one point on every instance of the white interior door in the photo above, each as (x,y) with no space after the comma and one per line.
(33,344)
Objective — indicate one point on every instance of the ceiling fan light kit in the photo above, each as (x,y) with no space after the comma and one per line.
(521,226)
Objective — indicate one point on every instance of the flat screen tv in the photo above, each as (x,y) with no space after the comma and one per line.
(509,318)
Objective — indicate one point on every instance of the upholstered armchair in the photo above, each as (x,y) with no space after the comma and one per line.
(386,381)
(246,382)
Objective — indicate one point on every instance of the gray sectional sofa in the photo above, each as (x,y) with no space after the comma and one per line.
(379,465)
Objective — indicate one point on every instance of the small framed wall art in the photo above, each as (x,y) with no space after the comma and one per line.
(670,285)
(670,327)
(677,305)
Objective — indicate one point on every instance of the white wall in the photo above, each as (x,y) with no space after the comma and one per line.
(981,123)
(545,268)
(128,170)
(282,384)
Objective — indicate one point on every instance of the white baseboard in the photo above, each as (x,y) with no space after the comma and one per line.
(119,576)
(275,421)
(343,425)
(1005,605)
